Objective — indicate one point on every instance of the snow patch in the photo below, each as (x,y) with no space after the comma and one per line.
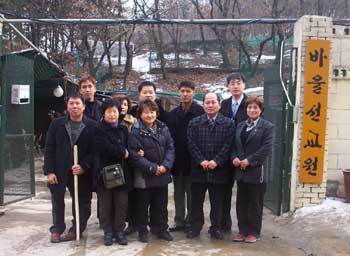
(335,209)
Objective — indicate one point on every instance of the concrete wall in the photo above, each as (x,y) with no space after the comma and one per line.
(339,109)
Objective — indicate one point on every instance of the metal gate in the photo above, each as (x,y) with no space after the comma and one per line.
(280,113)
(17,130)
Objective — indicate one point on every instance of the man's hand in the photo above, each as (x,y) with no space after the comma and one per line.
(244,164)
(204,165)
(212,165)
(77,170)
(126,154)
(162,169)
(52,179)
(141,153)
(236,162)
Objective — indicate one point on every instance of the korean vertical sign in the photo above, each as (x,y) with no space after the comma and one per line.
(317,59)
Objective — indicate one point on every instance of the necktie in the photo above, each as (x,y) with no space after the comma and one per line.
(211,122)
(234,109)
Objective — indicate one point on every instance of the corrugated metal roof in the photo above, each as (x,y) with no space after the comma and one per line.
(44,69)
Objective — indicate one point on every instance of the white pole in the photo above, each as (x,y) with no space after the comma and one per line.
(76,196)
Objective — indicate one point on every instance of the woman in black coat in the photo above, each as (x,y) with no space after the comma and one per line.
(253,144)
(111,142)
(151,171)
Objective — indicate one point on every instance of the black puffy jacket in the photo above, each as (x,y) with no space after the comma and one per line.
(158,149)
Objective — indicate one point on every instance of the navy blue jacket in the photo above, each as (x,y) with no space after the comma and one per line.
(159,150)
(178,121)
(210,142)
(58,157)
(256,149)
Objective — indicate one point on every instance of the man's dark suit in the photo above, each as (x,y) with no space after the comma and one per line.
(241,115)
(209,141)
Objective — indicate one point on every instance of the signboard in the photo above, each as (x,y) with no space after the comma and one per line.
(316,83)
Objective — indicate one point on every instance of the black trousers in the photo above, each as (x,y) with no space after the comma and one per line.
(113,204)
(152,209)
(132,209)
(249,207)
(58,206)
(226,222)
(216,193)
(182,200)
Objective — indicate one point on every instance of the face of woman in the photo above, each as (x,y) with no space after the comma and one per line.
(124,107)
(148,117)
(111,115)
(253,111)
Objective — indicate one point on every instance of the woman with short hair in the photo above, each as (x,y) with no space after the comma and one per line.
(151,170)
(253,144)
(111,144)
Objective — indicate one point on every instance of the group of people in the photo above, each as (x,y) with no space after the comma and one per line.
(198,148)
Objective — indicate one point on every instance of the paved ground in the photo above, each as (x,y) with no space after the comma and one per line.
(24,231)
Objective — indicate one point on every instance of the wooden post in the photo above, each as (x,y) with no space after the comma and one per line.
(76,196)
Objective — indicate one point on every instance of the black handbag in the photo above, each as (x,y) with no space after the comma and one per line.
(113,176)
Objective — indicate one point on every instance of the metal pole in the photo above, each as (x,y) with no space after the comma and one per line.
(2,172)
(164,21)
(154,21)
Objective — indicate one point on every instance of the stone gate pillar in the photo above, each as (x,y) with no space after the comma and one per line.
(313,82)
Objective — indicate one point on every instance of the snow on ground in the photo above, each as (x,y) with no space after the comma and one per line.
(331,213)
(151,77)
(222,90)
(140,63)
(264,58)
(336,209)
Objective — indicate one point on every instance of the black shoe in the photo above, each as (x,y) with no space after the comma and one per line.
(176,228)
(192,234)
(216,234)
(129,230)
(120,238)
(108,238)
(165,235)
(226,229)
(143,237)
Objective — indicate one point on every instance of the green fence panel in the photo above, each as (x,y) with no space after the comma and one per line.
(17,131)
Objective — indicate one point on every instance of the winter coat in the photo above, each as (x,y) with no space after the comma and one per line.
(111,143)
(58,157)
(256,149)
(178,121)
(128,121)
(158,150)
(210,142)
(93,110)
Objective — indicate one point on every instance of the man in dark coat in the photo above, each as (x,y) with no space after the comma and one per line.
(178,120)
(209,140)
(87,88)
(63,133)
(234,108)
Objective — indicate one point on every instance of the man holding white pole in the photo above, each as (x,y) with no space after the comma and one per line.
(61,167)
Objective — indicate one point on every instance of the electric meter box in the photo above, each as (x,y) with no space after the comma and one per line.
(20,94)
